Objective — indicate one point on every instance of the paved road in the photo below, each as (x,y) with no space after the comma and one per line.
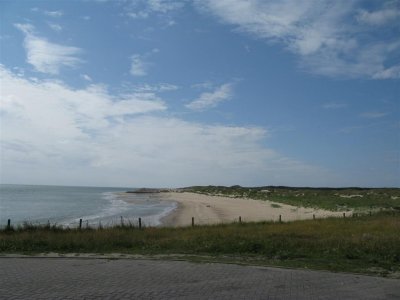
(57,278)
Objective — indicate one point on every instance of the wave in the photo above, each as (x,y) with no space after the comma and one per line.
(116,210)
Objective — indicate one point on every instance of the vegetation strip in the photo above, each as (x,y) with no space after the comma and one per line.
(357,199)
(366,244)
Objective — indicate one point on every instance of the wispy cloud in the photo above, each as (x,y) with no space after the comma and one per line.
(379,17)
(161,87)
(54,14)
(86,77)
(351,129)
(373,115)
(203,85)
(49,13)
(124,140)
(142,9)
(45,56)
(212,99)
(164,6)
(334,105)
(55,27)
(140,64)
(332,38)
(388,73)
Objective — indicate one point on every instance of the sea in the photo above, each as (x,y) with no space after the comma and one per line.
(66,205)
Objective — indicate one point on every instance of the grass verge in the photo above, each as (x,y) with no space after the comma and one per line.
(368,244)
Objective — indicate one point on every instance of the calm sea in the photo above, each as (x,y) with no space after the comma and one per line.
(66,205)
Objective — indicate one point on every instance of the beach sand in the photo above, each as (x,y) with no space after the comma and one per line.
(215,209)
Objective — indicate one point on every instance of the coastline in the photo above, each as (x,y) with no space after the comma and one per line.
(145,198)
(207,209)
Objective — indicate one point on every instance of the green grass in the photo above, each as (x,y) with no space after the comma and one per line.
(342,199)
(368,244)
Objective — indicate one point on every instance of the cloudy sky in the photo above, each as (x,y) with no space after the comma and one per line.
(176,93)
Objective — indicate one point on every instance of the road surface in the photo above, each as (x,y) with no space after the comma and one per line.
(77,278)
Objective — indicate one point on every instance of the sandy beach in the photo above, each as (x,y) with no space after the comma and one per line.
(215,209)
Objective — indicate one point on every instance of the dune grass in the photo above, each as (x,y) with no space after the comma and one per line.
(342,199)
(367,244)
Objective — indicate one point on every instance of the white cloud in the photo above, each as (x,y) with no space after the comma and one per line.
(55,27)
(53,134)
(161,87)
(373,115)
(86,77)
(45,56)
(321,32)
(140,64)
(49,13)
(391,72)
(142,9)
(54,14)
(379,17)
(211,99)
(164,6)
(170,23)
(25,28)
(138,14)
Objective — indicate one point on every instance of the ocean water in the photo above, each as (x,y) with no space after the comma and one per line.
(66,205)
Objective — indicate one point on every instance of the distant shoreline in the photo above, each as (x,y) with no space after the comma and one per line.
(147,191)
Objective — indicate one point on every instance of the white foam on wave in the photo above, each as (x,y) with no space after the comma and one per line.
(114,207)
(155,220)
(129,211)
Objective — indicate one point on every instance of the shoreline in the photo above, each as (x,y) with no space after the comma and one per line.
(208,210)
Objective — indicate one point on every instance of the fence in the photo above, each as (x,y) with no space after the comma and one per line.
(139,222)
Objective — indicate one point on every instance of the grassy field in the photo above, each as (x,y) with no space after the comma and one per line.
(357,199)
(368,244)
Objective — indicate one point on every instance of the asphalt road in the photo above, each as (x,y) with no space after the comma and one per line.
(76,278)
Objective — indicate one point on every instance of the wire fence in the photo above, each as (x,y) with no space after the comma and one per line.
(139,222)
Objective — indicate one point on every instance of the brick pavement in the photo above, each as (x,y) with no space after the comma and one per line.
(76,278)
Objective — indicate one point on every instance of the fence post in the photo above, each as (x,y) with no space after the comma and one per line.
(80,223)
(192,221)
(240,219)
(344,215)
(140,223)
(280,218)
(9,224)
(313,216)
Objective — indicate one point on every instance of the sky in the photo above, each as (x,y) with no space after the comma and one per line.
(164,93)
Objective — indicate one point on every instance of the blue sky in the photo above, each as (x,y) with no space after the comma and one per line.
(177,93)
